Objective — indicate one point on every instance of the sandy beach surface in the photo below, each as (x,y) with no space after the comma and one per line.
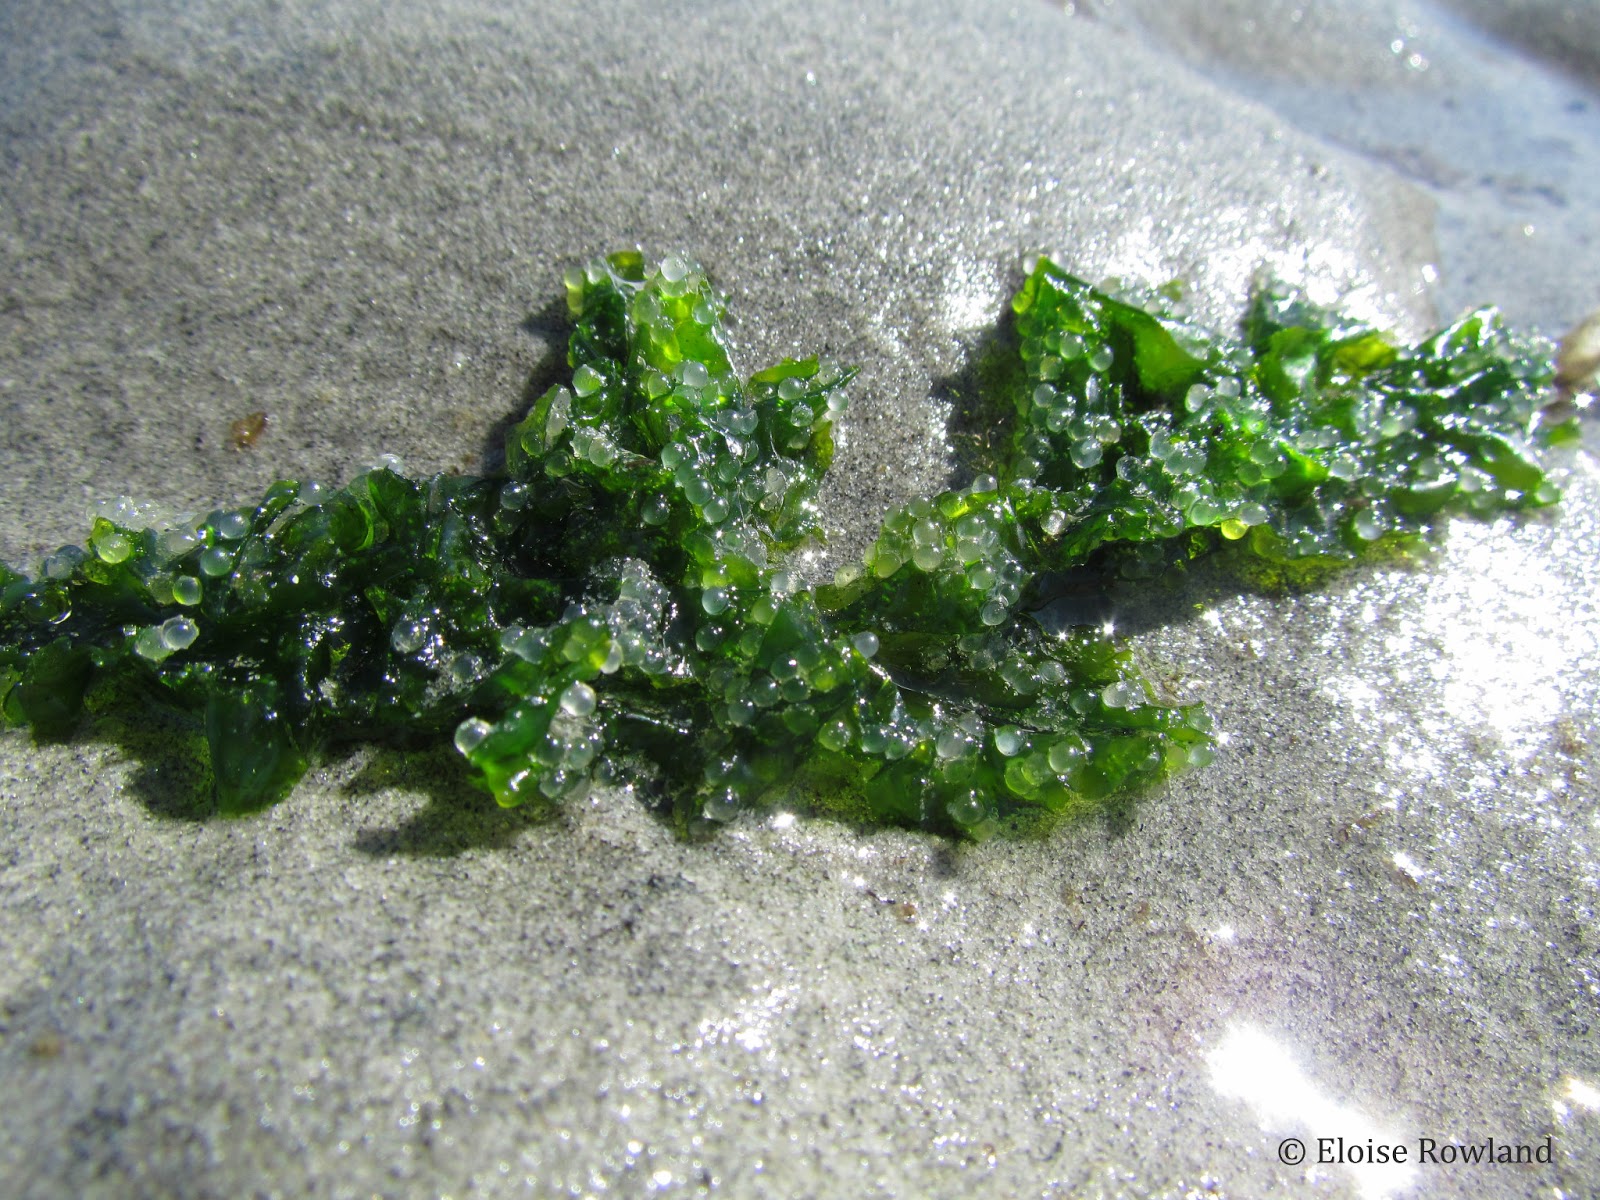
(1373,918)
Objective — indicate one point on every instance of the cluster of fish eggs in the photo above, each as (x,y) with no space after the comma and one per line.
(729,455)
(956,552)
(547,740)
(800,687)
(165,561)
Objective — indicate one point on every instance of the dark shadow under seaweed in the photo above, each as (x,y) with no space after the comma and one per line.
(457,817)
(552,324)
(982,415)
(172,767)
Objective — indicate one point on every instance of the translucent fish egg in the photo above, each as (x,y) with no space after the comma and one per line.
(470,733)
(835,735)
(215,562)
(655,510)
(1009,740)
(1121,694)
(1366,526)
(1063,756)
(722,805)
(231,526)
(175,543)
(408,636)
(179,633)
(578,700)
(967,809)
(113,547)
(150,645)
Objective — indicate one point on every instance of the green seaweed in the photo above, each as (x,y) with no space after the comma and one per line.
(618,600)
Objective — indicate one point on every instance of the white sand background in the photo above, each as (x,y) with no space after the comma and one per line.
(1373,917)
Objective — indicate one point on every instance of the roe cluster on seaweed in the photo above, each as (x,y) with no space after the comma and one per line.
(619,595)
